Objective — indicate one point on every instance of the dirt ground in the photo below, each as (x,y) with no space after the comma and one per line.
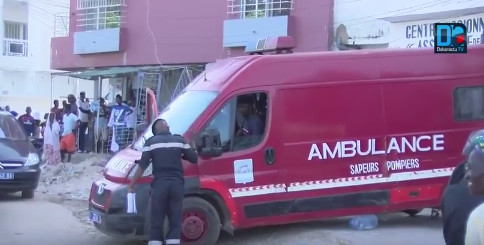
(69,185)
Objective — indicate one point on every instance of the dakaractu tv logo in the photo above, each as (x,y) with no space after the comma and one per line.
(450,38)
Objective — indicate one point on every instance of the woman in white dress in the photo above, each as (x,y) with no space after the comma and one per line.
(51,155)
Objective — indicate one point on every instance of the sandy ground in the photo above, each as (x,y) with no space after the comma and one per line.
(58,214)
(41,222)
(69,184)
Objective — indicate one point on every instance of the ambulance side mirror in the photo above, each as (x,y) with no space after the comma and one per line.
(208,143)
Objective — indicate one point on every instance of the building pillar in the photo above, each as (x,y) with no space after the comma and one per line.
(97,88)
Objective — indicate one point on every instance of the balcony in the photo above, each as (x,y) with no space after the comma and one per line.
(98,26)
(126,37)
(61,25)
(250,20)
(15,47)
(250,9)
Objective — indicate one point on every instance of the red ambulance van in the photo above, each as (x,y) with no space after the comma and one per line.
(345,133)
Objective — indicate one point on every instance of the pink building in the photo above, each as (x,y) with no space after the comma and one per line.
(163,44)
(113,33)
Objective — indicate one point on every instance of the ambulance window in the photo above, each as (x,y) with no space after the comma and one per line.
(241,121)
(250,120)
(222,122)
(468,103)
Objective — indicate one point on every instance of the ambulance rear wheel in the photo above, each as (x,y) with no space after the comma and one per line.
(201,222)
(412,212)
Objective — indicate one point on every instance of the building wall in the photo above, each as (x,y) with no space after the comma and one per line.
(26,80)
(370,23)
(309,22)
(177,32)
(419,34)
(35,89)
(311,26)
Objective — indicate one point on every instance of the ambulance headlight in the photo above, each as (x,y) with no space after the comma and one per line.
(148,171)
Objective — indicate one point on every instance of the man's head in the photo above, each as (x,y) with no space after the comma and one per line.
(56,103)
(119,99)
(82,95)
(160,126)
(7,108)
(244,105)
(64,103)
(28,110)
(475,168)
(71,99)
(102,101)
(67,108)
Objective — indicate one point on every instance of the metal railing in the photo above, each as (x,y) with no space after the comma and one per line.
(61,25)
(87,4)
(15,47)
(99,14)
(246,9)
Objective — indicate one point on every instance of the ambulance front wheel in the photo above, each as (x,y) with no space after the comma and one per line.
(412,212)
(201,222)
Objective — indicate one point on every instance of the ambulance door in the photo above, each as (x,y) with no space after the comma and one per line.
(246,168)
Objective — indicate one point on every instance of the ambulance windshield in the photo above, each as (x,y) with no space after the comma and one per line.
(181,113)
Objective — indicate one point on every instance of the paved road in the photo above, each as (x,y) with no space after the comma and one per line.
(40,222)
(45,223)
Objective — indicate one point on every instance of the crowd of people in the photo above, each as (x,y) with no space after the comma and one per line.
(80,125)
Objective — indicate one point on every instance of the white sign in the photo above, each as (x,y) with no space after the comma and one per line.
(345,149)
(243,171)
(420,34)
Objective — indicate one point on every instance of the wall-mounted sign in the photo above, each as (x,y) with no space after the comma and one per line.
(420,34)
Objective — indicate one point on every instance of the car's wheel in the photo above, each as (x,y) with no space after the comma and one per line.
(28,194)
(412,212)
(201,222)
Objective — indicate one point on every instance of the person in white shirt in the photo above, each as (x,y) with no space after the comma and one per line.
(68,139)
(475,177)
(84,116)
(130,121)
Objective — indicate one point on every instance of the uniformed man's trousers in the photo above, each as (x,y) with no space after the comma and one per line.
(166,201)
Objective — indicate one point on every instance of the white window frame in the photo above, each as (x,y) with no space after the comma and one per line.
(15,39)
(9,31)
(92,14)
(261,8)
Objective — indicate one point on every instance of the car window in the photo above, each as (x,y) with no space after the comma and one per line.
(221,121)
(241,121)
(181,113)
(468,103)
(11,129)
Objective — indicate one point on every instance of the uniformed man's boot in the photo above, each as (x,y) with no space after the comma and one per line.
(155,243)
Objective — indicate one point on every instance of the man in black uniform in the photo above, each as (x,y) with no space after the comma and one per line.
(165,151)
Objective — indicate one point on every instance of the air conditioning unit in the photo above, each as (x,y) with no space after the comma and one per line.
(16,49)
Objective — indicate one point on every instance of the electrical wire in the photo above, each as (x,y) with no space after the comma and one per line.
(151,31)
